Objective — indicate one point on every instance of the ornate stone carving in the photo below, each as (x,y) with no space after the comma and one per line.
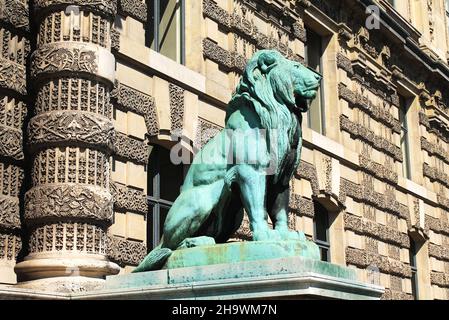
(231,61)
(439,252)
(435,174)
(54,202)
(11,141)
(125,252)
(129,199)
(9,212)
(301,206)
(439,279)
(80,237)
(55,58)
(134,8)
(436,225)
(143,104)
(205,131)
(131,149)
(344,63)
(71,127)
(176,107)
(308,171)
(378,170)
(396,295)
(363,259)
(12,76)
(72,57)
(434,149)
(15,12)
(369,136)
(106,7)
(375,230)
(356,100)
(10,246)
(115,40)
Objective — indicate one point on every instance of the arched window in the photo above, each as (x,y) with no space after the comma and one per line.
(164,183)
(321,231)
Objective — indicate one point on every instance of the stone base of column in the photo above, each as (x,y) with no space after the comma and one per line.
(62,285)
(48,265)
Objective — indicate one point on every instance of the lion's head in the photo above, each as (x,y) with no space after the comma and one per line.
(275,86)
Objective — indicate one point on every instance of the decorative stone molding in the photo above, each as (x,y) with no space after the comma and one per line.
(301,206)
(396,295)
(363,259)
(11,142)
(136,9)
(9,212)
(125,252)
(434,149)
(71,165)
(11,177)
(130,99)
(68,201)
(231,61)
(436,225)
(71,127)
(443,201)
(129,199)
(440,279)
(68,237)
(16,13)
(439,252)
(308,171)
(73,58)
(236,23)
(176,107)
(104,7)
(436,175)
(12,76)
(12,113)
(344,63)
(10,246)
(379,171)
(131,149)
(364,193)
(205,131)
(115,40)
(365,134)
(356,100)
(376,230)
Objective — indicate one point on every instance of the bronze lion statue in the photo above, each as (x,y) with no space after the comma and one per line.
(248,165)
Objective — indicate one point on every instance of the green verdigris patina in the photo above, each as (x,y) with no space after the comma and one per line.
(247,166)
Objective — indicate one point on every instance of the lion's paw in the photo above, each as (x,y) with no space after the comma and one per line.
(266,235)
(291,235)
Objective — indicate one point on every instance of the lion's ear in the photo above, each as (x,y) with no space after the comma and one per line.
(266,62)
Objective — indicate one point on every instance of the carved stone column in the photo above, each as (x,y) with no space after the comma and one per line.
(69,207)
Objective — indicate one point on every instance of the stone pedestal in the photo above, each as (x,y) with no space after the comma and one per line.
(284,278)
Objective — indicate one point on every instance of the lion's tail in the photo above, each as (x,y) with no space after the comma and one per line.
(154,260)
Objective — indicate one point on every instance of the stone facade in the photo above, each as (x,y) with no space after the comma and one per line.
(82,96)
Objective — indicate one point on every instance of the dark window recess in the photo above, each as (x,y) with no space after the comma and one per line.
(314,57)
(414,278)
(405,147)
(164,184)
(321,231)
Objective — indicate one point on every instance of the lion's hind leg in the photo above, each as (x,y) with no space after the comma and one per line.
(189,212)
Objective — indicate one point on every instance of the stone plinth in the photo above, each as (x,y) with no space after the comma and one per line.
(234,252)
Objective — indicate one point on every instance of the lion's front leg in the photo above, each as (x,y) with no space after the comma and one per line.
(278,202)
(252,184)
